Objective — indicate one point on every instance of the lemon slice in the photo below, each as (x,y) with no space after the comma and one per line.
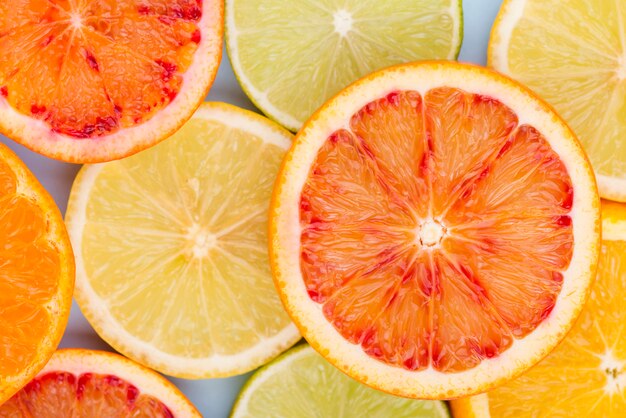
(301,383)
(171,247)
(291,59)
(573,53)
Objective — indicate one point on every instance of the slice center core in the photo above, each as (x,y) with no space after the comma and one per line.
(430,233)
(613,368)
(200,241)
(76,21)
(342,19)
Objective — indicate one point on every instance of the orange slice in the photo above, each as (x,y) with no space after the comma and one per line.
(435,230)
(88,81)
(588,370)
(87,384)
(36,275)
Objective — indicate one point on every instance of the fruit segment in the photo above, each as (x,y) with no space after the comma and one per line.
(436,229)
(83,396)
(77,65)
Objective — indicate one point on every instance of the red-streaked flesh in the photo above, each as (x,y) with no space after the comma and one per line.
(84,396)
(435,231)
(91,68)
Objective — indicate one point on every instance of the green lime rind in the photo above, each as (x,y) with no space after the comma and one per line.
(301,384)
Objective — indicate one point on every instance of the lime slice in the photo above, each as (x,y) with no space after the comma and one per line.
(302,384)
(171,247)
(291,58)
(573,53)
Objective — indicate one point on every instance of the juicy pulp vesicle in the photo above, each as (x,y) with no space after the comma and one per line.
(89,69)
(87,395)
(435,229)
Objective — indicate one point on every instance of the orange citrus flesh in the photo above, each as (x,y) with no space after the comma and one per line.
(124,65)
(36,275)
(84,395)
(411,237)
(29,274)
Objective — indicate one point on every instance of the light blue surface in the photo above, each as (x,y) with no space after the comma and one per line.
(214,397)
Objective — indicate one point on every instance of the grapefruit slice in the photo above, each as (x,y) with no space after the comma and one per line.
(36,275)
(87,384)
(588,370)
(90,81)
(171,247)
(434,230)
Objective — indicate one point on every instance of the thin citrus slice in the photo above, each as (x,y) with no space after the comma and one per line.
(90,81)
(302,384)
(573,53)
(171,247)
(291,59)
(588,370)
(434,230)
(36,275)
(87,384)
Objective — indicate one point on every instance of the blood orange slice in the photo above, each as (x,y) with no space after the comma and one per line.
(36,275)
(85,383)
(88,81)
(435,230)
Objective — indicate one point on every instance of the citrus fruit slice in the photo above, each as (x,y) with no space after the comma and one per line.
(86,384)
(434,230)
(171,247)
(573,53)
(301,383)
(588,369)
(290,60)
(36,275)
(91,81)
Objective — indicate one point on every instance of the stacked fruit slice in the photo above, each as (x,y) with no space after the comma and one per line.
(87,384)
(573,53)
(435,230)
(99,80)
(302,384)
(171,247)
(36,275)
(291,59)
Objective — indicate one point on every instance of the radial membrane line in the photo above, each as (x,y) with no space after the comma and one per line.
(487,164)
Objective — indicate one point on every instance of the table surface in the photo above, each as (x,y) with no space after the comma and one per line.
(214,397)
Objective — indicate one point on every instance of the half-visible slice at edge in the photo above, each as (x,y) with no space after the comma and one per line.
(290,60)
(93,81)
(88,384)
(573,54)
(36,275)
(300,383)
